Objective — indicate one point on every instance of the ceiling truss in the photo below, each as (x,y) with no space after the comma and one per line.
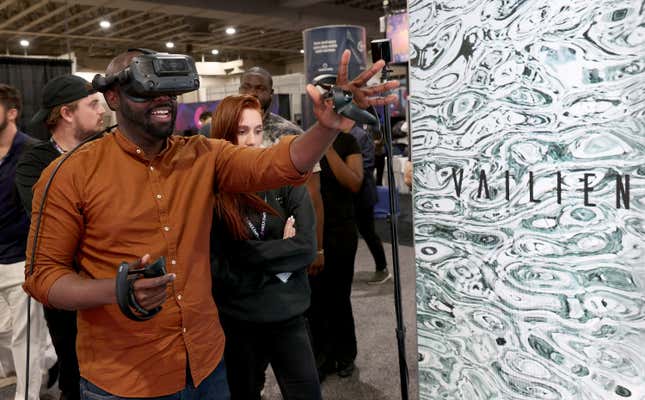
(270,30)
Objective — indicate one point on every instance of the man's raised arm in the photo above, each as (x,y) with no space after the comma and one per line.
(309,147)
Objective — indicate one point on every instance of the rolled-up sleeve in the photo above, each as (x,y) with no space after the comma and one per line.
(61,224)
(245,169)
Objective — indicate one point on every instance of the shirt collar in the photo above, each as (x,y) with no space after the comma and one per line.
(135,150)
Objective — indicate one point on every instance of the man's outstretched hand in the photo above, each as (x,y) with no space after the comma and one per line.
(363,96)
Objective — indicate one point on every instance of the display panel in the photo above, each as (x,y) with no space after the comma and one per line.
(397,32)
(528,132)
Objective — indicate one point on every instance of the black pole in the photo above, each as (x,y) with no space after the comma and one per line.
(400,326)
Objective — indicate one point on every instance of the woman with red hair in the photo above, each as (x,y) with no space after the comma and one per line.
(261,246)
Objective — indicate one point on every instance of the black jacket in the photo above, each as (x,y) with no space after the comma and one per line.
(36,157)
(245,285)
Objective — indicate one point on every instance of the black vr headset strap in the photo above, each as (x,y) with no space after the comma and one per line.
(102,83)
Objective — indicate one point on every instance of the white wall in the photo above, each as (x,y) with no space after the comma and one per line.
(215,88)
(294,85)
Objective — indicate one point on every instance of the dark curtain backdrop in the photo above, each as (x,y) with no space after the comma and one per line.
(30,75)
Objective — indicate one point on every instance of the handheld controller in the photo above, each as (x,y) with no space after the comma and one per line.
(125,291)
(342,100)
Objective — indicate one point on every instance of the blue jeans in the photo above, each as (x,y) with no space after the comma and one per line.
(214,387)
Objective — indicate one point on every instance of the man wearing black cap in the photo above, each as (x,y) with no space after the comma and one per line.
(72,111)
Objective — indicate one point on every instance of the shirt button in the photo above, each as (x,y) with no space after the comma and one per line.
(184,330)
(152,168)
(138,151)
(159,196)
(173,262)
(178,297)
(166,228)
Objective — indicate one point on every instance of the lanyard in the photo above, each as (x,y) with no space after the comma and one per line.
(60,149)
(263,224)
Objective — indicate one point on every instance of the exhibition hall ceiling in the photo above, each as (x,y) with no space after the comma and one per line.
(269,31)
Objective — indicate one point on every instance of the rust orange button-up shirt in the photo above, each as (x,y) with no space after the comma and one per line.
(109,204)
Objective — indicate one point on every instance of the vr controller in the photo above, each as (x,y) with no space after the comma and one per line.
(153,74)
(125,291)
(342,100)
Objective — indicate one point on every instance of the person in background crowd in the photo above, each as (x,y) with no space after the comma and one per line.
(259,264)
(365,200)
(331,317)
(73,112)
(14,226)
(258,82)
(205,123)
(141,192)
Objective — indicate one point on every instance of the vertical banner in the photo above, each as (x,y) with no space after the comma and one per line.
(528,142)
(323,47)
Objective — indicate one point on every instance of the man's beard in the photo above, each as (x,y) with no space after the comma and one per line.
(144,120)
(82,135)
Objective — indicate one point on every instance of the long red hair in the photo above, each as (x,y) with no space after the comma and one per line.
(232,207)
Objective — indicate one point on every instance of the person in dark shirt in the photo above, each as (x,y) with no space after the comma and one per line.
(259,263)
(72,111)
(331,317)
(365,200)
(258,82)
(14,226)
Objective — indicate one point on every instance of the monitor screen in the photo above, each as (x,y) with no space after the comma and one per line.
(397,32)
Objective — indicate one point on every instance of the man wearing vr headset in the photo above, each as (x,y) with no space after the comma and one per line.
(139,193)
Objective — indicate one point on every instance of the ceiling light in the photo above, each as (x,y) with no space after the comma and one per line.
(214,52)
(230,30)
(24,43)
(105,24)
(170,45)
(302,51)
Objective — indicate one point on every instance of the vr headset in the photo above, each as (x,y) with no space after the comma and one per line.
(151,75)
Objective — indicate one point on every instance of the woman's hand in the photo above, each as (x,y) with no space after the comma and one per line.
(318,265)
(289,228)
